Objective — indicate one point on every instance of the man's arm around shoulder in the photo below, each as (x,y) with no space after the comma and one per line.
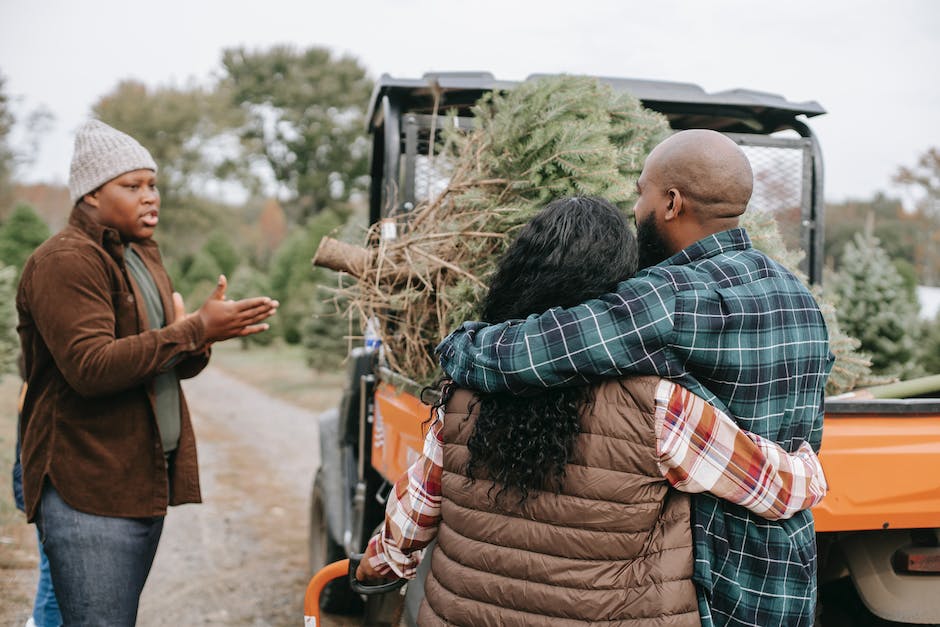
(624,332)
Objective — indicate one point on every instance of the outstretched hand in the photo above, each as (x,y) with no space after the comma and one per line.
(224,319)
(179,308)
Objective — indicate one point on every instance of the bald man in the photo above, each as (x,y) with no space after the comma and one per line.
(718,317)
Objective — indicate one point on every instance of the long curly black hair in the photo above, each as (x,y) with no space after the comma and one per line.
(573,250)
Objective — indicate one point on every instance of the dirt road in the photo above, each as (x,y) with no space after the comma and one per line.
(240,558)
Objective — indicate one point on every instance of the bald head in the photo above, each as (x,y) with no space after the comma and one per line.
(710,170)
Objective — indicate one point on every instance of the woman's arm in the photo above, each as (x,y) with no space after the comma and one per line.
(412,515)
(701,449)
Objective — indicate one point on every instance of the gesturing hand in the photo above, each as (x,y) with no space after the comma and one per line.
(179,309)
(224,319)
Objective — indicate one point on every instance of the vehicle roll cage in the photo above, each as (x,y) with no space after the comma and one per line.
(403,112)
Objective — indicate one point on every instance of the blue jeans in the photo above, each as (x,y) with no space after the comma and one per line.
(45,608)
(99,564)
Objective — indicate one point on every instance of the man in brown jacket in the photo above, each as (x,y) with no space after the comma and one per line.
(107,440)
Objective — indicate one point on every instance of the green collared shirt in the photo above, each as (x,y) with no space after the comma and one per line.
(165,385)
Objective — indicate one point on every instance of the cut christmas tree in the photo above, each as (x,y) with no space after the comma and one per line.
(546,139)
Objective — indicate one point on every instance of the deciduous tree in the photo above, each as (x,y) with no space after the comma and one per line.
(6,151)
(304,122)
(177,125)
(272,223)
(924,177)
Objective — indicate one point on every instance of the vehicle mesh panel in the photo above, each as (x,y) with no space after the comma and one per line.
(779,178)
(431,176)
(778,187)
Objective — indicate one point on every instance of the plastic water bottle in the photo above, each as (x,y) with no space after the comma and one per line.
(372,338)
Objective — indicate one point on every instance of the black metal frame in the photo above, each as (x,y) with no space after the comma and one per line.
(907,407)
(402,108)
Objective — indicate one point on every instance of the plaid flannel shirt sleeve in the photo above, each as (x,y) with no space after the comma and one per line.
(413,512)
(701,449)
(627,331)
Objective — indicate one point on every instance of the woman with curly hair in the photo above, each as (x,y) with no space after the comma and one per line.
(571,507)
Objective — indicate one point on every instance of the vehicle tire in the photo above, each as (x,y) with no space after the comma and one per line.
(840,606)
(337,597)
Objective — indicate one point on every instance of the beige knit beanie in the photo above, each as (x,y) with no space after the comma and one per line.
(101,154)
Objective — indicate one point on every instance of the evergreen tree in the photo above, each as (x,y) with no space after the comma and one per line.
(247,282)
(896,229)
(304,114)
(9,340)
(20,234)
(220,247)
(328,330)
(201,278)
(930,346)
(548,138)
(875,306)
(293,280)
(332,326)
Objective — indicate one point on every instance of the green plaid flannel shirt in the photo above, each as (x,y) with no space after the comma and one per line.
(731,325)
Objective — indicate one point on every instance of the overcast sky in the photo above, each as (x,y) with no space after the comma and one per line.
(874,65)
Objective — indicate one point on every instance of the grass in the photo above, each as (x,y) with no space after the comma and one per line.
(281,371)
(18,555)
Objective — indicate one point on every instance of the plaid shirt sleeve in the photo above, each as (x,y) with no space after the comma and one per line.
(413,512)
(623,332)
(701,449)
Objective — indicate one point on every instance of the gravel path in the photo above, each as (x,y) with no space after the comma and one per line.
(240,558)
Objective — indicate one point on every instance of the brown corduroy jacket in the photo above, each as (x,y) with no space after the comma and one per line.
(614,548)
(88,422)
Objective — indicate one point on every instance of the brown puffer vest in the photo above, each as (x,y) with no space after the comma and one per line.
(614,548)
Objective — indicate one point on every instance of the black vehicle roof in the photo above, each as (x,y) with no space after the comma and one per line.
(685,104)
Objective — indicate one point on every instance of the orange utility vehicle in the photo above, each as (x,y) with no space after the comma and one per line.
(878,529)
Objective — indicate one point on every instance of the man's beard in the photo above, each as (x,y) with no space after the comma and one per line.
(651,247)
